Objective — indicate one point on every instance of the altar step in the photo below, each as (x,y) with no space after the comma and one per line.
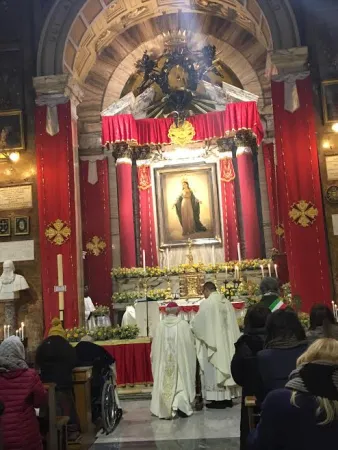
(137,392)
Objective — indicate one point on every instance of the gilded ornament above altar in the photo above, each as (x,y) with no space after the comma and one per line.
(182,135)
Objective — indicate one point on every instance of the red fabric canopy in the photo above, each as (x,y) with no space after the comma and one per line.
(216,124)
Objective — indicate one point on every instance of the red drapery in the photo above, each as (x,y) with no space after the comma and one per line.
(126,213)
(273,189)
(246,178)
(133,364)
(56,193)
(215,124)
(147,222)
(229,207)
(298,173)
(96,224)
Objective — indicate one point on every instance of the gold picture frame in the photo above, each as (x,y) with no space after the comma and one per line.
(21,225)
(11,131)
(330,101)
(187,205)
(5,227)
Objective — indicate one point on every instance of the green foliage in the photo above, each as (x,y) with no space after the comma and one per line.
(104,333)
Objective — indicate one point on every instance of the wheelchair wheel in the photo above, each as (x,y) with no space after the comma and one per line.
(110,411)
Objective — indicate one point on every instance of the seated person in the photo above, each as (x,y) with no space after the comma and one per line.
(322,323)
(20,391)
(285,342)
(304,414)
(269,288)
(90,354)
(244,362)
(56,359)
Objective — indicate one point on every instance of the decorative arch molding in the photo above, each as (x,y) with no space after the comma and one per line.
(73,26)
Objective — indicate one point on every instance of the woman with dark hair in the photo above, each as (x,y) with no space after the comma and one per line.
(322,323)
(285,342)
(244,363)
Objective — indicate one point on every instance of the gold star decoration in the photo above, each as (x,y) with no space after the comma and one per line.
(303,213)
(279,231)
(58,232)
(96,246)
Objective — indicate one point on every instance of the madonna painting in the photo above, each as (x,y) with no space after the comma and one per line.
(187,205)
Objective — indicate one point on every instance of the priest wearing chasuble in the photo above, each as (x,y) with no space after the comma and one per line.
(173,359)
(216,331)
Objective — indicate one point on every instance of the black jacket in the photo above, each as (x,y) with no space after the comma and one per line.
(56,359)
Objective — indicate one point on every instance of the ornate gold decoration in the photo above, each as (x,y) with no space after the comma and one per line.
(279,231)
(96,246)
(144,181)
(58,232)
(190,255)
(303,213)
(181,135)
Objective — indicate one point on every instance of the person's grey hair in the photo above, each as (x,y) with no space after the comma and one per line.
(87,338)
(269,284)
(175,310)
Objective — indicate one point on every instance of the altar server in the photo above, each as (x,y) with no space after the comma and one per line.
(216,331)
(173,360)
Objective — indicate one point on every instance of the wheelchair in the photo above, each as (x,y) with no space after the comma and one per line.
(111,411)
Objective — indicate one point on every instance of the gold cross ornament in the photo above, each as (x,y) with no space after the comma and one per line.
(96,246)
(303,213)
(58,232)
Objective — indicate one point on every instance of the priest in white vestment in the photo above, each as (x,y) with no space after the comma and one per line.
(173,359)
(216,330)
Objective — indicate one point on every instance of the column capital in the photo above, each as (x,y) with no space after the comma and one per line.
(290,61)
(59,88)
(245,138)
(122,151)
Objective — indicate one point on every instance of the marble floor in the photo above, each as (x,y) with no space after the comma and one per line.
(208,429)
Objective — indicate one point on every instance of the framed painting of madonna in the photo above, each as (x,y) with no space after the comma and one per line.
(187,205)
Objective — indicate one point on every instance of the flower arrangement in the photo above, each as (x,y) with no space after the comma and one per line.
(131,296)
(104,333)
(101,311)
(138,272)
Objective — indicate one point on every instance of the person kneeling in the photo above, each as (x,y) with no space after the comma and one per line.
(173,359)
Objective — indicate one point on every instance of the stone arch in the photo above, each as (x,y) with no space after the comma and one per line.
(74,25)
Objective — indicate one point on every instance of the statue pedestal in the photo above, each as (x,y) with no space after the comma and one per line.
(10,316)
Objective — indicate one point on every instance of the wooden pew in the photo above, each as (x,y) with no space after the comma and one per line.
(57,426)
(81,383)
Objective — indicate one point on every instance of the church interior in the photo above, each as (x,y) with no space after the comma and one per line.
(150,149)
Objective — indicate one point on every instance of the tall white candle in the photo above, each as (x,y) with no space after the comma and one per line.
(60,282)
(144,260)
(239,252)
(276,271)
(262,270)
(8,330)
(213,255)
(226,272)
(22,330)
(269,269)
(17,333)
(5,330)
(236,273)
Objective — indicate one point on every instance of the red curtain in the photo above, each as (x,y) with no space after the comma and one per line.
(229,207)
(56,193)
(211,125)
(251,231)
(273,188)
(96,224)
(298,173)
(126,213)
(147,223)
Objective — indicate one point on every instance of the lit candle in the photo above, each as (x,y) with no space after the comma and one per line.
(144,260)
(262,270)
(5,330)
(239,252)
(226,272)
(236,273)
(17,333)
(8,330)
(22,330)
(213,254)
(276,272)
(269,269)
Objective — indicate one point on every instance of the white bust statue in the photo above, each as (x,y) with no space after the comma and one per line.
(11,283)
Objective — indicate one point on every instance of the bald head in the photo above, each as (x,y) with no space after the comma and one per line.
(208,289)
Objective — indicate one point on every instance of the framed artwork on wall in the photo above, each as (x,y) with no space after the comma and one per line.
(11,130)
(5,226)
(187,205)
(21,226)
(330,101)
